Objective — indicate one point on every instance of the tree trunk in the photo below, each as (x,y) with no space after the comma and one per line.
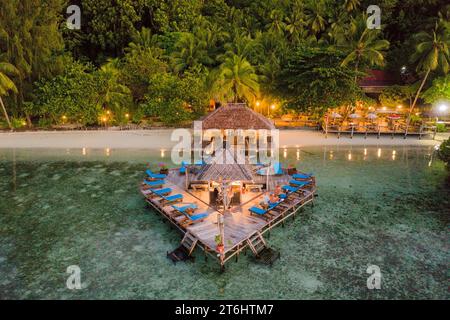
(415,99)
(6,114)
(27,115)
(356,70)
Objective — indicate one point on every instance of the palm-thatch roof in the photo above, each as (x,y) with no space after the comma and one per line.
(231,172)
(225,170)
(236,116)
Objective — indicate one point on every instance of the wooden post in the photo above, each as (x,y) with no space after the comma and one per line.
(220,219)
(187,178)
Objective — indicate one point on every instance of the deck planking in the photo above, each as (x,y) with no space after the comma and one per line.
(239,224)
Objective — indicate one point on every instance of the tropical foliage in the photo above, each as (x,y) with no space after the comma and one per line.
(314,80)
(444,152)
(439,91)
(160,60)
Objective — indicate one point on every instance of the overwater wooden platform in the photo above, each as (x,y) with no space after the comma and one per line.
(379,130)
(241,229)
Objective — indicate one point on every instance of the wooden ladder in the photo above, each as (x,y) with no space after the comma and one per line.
(256,243)
(189,242)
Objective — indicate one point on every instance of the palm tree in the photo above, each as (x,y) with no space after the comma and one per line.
(350,5)
(144,41)
(114,94)
(339,23)
(6,84)
(363,45)
(295,26)
(236,79)
(242,45)
(432,52)
(276,25)
(190,52)
(315,16)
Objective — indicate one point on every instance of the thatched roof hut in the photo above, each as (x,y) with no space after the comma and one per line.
(228,172)
(236,116)
(226,167)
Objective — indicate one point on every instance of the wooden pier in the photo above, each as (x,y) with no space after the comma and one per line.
(242,230)
(378,130)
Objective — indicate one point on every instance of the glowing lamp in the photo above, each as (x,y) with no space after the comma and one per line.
(442,107)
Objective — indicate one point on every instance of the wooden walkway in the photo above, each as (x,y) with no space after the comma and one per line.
(379,130)
(239,225)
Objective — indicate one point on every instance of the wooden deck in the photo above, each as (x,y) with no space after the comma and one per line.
(239,224)
(379,130)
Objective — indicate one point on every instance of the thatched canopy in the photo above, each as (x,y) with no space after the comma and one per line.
(232,172)
(226,170)
(236,116)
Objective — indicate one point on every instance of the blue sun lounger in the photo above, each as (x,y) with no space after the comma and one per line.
(258,211)
(155,175)
(289,189)
(184,208)
(161,192)
(200,163)
(196,217)
(299,183)
(193,219)
(155,183)
(182,169)
(302,176)
(173,198)
(277,170)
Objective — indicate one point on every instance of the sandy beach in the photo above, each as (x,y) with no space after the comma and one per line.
(157,139)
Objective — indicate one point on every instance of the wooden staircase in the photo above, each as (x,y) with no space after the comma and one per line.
(184,251)
(256,243)
(189,242)
(262,252)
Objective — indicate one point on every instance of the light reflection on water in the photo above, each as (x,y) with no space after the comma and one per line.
(327,153)
(376,205)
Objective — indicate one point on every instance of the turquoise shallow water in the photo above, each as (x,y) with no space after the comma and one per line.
(387,207)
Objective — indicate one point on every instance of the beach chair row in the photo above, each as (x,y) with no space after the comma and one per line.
(296,188)
(154,190)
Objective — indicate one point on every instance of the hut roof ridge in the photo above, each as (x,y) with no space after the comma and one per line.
(236,116)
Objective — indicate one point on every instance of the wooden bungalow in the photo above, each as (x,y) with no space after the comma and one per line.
(222,206)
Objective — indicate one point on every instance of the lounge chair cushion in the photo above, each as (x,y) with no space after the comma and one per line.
(257,210)
(162,191)
(277,170)
(299,183)
(289,188)
(301,176)
(173,197)
(198,216)
(200,163)
(155,175)
(184,208)
(154,183)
